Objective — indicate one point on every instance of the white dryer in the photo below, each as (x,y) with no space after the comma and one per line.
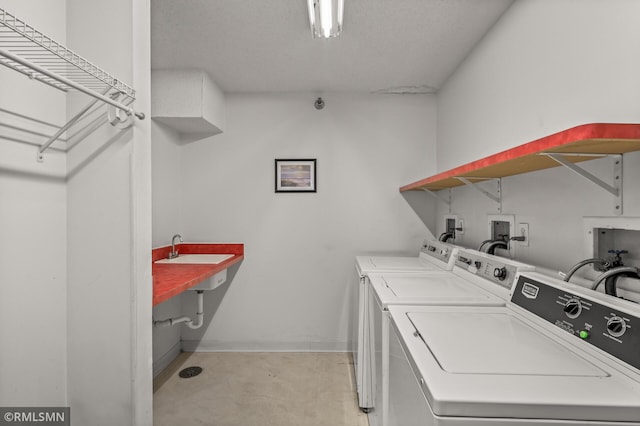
(555,355)
(478,279)
(434,256)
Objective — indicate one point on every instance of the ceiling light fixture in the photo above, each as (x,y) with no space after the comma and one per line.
(325,17)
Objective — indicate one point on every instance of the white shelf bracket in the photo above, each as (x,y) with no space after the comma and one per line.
(496,198)
(435,195)
(615,189)
(64,128)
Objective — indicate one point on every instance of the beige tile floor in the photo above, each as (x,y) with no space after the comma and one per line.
(251,389)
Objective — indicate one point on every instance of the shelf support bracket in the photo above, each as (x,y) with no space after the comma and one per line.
(615,189)
(435,195)
(496,198)
(66,127)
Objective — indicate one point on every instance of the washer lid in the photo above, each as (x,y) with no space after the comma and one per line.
(368,264)
(488,362)
(500,344)
(430,289)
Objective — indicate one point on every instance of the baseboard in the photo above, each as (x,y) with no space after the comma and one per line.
(218,346)
(166,359)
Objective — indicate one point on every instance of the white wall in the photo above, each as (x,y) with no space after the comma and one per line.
(290,293)
(166,221)
(75,293)
(546,66)
(109,230)
(167,184)
(33,363)
(553,202)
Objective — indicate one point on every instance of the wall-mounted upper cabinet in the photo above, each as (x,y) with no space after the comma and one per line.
(187,101)
(570,146)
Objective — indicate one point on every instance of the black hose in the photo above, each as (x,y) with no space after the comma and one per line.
(445,236)
(621,271)
(611,283)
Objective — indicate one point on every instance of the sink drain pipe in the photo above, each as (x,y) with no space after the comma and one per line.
(188,321)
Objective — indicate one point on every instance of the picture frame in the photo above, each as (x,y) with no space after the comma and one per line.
(295,175)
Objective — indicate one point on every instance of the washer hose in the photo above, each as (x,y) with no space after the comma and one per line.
(483,243)
(611,277)
(493,245)
(582,263)
(445,236)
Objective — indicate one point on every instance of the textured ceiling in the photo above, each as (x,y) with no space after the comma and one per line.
(266,45)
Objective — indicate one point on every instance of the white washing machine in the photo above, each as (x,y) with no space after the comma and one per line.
(434,256)
(478,279)
(555,355)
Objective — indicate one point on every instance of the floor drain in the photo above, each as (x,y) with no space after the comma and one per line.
(190,372)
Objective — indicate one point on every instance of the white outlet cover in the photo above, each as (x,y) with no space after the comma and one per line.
(523,229)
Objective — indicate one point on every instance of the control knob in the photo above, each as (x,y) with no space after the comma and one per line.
(500,273)
(573,308)
(616,326)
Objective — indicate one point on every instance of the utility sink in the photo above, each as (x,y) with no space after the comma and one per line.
(195,259)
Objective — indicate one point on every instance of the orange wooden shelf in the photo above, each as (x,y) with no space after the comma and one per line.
(596,138)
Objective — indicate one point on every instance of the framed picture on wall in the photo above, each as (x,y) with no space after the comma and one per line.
(294,175)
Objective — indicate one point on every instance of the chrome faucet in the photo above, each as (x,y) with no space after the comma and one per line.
(174,252)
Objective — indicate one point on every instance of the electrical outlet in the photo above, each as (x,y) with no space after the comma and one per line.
(523,230)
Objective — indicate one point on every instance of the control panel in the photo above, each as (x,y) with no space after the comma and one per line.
(490,268)
(613,329)
(438,250)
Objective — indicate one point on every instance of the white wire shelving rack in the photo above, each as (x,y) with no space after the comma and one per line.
(30,52)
